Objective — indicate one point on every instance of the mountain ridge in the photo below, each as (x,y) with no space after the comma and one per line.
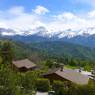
(40,34)
(55,49)
(42,31)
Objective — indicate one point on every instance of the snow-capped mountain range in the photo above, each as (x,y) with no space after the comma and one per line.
(84,36)
(42,31)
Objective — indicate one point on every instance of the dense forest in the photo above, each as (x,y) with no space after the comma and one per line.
(17,83)
(66,53)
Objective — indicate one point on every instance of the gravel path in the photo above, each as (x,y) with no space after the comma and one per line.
(41,93)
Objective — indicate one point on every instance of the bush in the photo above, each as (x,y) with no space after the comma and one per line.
(57,84)
(58,87)
(6,91)
(74,90)
(65,88)
(42,85)
(87,90)
(1,60)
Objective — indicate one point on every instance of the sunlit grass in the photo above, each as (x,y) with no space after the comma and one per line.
(71,67)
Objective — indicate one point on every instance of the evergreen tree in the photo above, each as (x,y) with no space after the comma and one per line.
(6,52)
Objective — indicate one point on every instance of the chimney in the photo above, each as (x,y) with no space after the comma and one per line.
(61,67)
(80,69)
(92,72)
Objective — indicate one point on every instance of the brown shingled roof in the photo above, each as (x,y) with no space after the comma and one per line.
(24,63)
(70,75)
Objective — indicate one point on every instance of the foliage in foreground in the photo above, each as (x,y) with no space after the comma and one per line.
(62,88)
(15,83)
(43,85)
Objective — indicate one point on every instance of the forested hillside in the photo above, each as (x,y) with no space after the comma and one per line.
(53,49)
(59,49)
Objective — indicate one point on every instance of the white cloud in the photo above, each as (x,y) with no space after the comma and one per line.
(67,20)
(66,16)
(3,25)
(40,10)
(16,18)
(16,10)
(91,14)
(8,34)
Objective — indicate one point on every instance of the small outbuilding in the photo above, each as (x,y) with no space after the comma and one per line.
(24,65)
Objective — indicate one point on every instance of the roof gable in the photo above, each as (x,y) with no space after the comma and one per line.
(73,76)
(70,75)
(24,63)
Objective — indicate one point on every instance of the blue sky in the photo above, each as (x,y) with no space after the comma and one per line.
(54,15)
(53,5)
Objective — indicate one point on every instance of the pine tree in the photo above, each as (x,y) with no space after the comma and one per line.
(6,52)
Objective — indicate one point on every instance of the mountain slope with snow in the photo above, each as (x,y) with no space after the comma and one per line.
(42,31)
(84,37)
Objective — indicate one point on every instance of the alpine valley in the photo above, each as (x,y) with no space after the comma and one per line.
(73,43)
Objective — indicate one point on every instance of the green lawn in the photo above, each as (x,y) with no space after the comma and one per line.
(71,67)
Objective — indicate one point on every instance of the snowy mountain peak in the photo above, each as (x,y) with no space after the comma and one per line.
(42,31)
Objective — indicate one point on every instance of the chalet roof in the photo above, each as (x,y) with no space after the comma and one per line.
(24,63)
(70,75)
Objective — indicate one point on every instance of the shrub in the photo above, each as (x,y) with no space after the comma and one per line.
(42,85)
(87,90)
(58,87)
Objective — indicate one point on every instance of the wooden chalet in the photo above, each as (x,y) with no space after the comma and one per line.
(24,65)
(65,74)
